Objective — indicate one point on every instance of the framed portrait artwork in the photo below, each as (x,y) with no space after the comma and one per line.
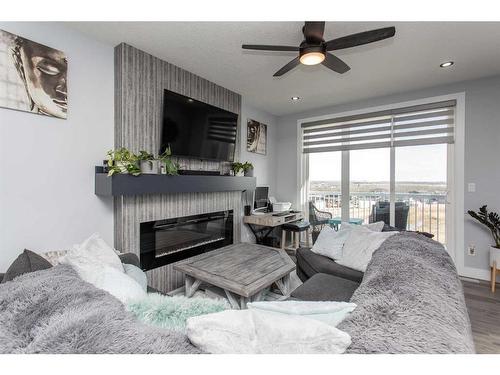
(33,77)
(256,137)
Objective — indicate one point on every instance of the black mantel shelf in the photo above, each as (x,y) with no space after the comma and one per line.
(123,184)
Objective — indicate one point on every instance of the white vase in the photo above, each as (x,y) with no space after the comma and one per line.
(240,174)
(150,166)
(494,256)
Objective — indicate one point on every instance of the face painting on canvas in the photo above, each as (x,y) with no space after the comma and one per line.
(36,77)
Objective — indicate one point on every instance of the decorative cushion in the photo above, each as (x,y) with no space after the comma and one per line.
(329,312)
(55,256)
(93,251)
(137,274)
(309,263)
(359,247)
(27,262)
(323,287)
(258,331)
(111,280)
(330,242)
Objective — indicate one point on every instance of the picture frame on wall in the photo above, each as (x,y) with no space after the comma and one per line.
(34,77)
(256,137)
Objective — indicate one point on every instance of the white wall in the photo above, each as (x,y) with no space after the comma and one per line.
(264,165)
(47,199)
(482,140)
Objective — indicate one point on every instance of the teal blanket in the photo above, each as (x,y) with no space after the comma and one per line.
(172,312)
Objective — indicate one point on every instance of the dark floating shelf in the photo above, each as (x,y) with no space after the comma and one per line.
(123,184)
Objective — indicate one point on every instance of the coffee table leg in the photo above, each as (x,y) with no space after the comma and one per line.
(243,302)
(233,301)
(284,285)
(191,286)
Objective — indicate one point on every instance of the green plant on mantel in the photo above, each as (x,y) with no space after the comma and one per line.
(123,161)
(146,156)
(171,167)
(247,166)
(491,220)
(241,167)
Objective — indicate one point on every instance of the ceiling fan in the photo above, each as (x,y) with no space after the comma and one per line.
(314,50)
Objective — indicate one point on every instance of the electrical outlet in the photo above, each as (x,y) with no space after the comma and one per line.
(471,250)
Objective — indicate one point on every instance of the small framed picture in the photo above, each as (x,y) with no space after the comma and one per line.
(256,137)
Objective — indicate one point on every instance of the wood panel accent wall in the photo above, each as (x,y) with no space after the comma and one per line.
(140,79)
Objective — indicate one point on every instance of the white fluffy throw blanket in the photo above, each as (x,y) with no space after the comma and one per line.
(256,331)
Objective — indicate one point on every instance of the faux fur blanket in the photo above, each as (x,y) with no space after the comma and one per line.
(54,311)
(410,301)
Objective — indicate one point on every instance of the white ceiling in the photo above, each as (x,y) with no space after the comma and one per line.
(406,62)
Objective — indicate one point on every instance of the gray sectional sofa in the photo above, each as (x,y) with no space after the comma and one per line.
(409,300)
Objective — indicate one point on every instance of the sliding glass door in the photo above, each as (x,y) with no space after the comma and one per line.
(390,166)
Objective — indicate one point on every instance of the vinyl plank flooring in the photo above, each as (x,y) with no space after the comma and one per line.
(484,314)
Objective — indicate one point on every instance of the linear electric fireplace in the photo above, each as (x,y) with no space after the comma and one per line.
(171,240)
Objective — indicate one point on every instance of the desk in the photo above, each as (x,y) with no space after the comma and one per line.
(268,222)
(337,220)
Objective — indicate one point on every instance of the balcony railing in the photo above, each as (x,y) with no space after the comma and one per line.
(426,212)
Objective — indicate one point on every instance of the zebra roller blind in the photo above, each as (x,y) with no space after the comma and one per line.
(410,126)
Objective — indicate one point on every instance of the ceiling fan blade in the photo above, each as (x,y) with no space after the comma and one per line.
(260,47)
(335,64)
(360,38)
(314,30)
(292,64)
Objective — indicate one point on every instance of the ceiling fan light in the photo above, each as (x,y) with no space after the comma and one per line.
(312,58)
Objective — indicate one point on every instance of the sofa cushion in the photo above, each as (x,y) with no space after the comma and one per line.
(130,258)
(309,264)
(26,262)
(323,287)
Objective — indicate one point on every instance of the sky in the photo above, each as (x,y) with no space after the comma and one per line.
(416,163)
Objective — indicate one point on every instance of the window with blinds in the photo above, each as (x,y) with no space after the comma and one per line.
(425,124)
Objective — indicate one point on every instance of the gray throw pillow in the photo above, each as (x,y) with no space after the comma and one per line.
(137,274)
(27,262)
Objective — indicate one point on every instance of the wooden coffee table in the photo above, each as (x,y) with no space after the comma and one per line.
(244,271)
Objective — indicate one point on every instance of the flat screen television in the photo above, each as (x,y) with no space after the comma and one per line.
(197,130)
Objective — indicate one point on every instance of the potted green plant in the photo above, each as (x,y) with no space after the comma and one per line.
(248,169)
(237,169)
(148,163)
(492,221)
(122,161)
(167,165)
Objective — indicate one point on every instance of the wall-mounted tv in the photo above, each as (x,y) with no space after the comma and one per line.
(197,130)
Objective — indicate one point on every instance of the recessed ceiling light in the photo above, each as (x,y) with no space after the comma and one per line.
(446,64)
(295,98)
(190,100)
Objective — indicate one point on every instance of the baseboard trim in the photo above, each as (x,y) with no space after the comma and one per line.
(475,273)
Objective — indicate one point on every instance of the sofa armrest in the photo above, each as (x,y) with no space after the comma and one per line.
(130,258)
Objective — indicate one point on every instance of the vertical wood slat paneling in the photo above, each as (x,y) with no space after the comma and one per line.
(139,83)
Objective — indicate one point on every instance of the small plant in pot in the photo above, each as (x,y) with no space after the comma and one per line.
(492,221)
(238,169)
(122,161)
(167,165)
(148,163)
(248,169)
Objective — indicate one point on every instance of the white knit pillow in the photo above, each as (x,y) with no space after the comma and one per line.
(360,246)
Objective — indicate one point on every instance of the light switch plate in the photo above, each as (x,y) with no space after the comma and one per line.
(471,187)
(471,250)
